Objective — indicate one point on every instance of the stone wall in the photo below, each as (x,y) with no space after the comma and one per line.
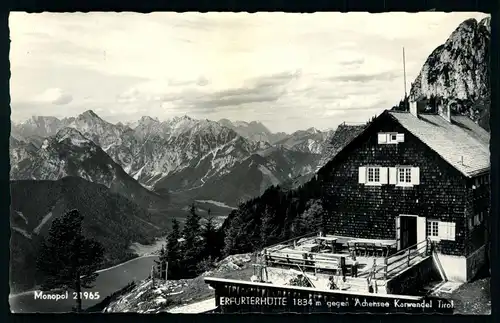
(411,280)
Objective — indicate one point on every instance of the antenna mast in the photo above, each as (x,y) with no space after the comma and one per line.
(404,69)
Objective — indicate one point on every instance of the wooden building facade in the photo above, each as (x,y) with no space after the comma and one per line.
(411,176)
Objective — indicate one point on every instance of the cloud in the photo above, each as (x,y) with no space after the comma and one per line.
(55,96)
(221,65)
(357,61)
(364,78)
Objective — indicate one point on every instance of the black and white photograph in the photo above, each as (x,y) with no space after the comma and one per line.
(250,163)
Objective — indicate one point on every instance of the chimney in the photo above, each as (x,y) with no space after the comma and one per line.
(413,108)
(444,111)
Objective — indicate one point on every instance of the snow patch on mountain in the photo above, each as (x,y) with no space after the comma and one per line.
(46,218)
(22,216)
(266,172)
(21,231)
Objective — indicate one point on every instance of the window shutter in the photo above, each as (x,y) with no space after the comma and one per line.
(393,175)
(451,231)
(400,137)
(398,232)
(442,230)
(421,229)
(362,175)
(382,138)
(383,175)
(415,175)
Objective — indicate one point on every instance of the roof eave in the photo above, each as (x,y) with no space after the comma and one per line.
(479,172)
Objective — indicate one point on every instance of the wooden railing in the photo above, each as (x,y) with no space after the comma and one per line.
(285,259)
(402,259)
(310,260)
(291,240)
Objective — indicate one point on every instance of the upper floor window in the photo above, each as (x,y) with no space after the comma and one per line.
(481,180)
(404,175)
(373,175)
(390,137)
(400,176)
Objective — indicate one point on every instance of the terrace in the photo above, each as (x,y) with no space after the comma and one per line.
(321,259)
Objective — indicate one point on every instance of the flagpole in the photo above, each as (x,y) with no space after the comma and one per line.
(404,69)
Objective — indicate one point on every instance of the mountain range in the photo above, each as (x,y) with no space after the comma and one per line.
(181,155)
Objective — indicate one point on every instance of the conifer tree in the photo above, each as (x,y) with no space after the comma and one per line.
(162,260)
(172,253)
(191,246)
(210,240)
(231,235)
(67,259)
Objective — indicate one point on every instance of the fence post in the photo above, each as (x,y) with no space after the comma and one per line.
(153,276)
(385,268)
(409,253)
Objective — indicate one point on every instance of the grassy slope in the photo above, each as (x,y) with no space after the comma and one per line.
(110,218)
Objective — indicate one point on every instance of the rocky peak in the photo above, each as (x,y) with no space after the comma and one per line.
(486,23)
(90,114)
(457,72)
(148,120)
(313,130)
(72,133)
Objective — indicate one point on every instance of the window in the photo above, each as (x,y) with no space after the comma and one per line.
(373,175)
(390,138)
(404,175)
(437,230)
(433,229)
(476,219)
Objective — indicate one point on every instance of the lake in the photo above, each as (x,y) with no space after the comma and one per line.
(109,281)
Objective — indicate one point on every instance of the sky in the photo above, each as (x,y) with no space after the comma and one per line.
(290,71)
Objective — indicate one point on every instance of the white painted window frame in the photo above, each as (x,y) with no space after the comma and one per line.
(390,138)
(445,230)
(394,176)
(374,182)
(429,230)
(404,169)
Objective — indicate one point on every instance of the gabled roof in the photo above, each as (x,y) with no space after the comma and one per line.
(461,142)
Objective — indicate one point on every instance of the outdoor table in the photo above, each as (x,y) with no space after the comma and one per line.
(332,240)
(311,247)
(374,243)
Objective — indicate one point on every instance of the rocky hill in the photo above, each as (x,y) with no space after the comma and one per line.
(254,131)
(457,72)
(69,153)
(309,141)
(180,296)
